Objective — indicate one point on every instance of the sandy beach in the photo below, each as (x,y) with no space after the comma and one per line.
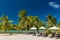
(23,37)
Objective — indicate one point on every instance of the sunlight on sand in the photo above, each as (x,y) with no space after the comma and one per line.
(23,37)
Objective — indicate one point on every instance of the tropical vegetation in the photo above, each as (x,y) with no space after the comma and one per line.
(25,22)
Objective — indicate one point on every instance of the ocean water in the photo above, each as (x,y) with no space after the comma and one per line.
(21,31)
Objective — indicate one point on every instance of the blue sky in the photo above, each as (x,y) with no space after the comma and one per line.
(39,8)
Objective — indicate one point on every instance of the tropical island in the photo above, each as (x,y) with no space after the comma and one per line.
(29,20)
(26,23)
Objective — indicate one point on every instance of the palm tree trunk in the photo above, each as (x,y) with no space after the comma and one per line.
(38,31)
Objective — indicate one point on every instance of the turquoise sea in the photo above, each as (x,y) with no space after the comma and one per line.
(20,31)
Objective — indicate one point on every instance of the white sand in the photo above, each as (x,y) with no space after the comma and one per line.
(23,37)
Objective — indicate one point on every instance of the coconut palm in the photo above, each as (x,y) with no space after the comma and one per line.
(22,13)
(54,21)
(0,23)
(36,21)
(27,24)
(5,23)
(22,19)
(49,20)
(48,23)
(49,17)
(31,20)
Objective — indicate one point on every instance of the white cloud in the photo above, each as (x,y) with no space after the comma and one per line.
(53,4)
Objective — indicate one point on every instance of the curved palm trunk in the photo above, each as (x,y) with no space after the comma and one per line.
(38,31)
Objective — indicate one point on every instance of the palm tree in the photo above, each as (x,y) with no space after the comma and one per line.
(36,21)
(54,21)
(22,19)
(31,20)
(27,24)
(0,24)
(49,20)
(49,23)
(49,17)
(22,13)
(6,23)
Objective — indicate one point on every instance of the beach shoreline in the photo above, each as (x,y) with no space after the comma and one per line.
(23,37)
